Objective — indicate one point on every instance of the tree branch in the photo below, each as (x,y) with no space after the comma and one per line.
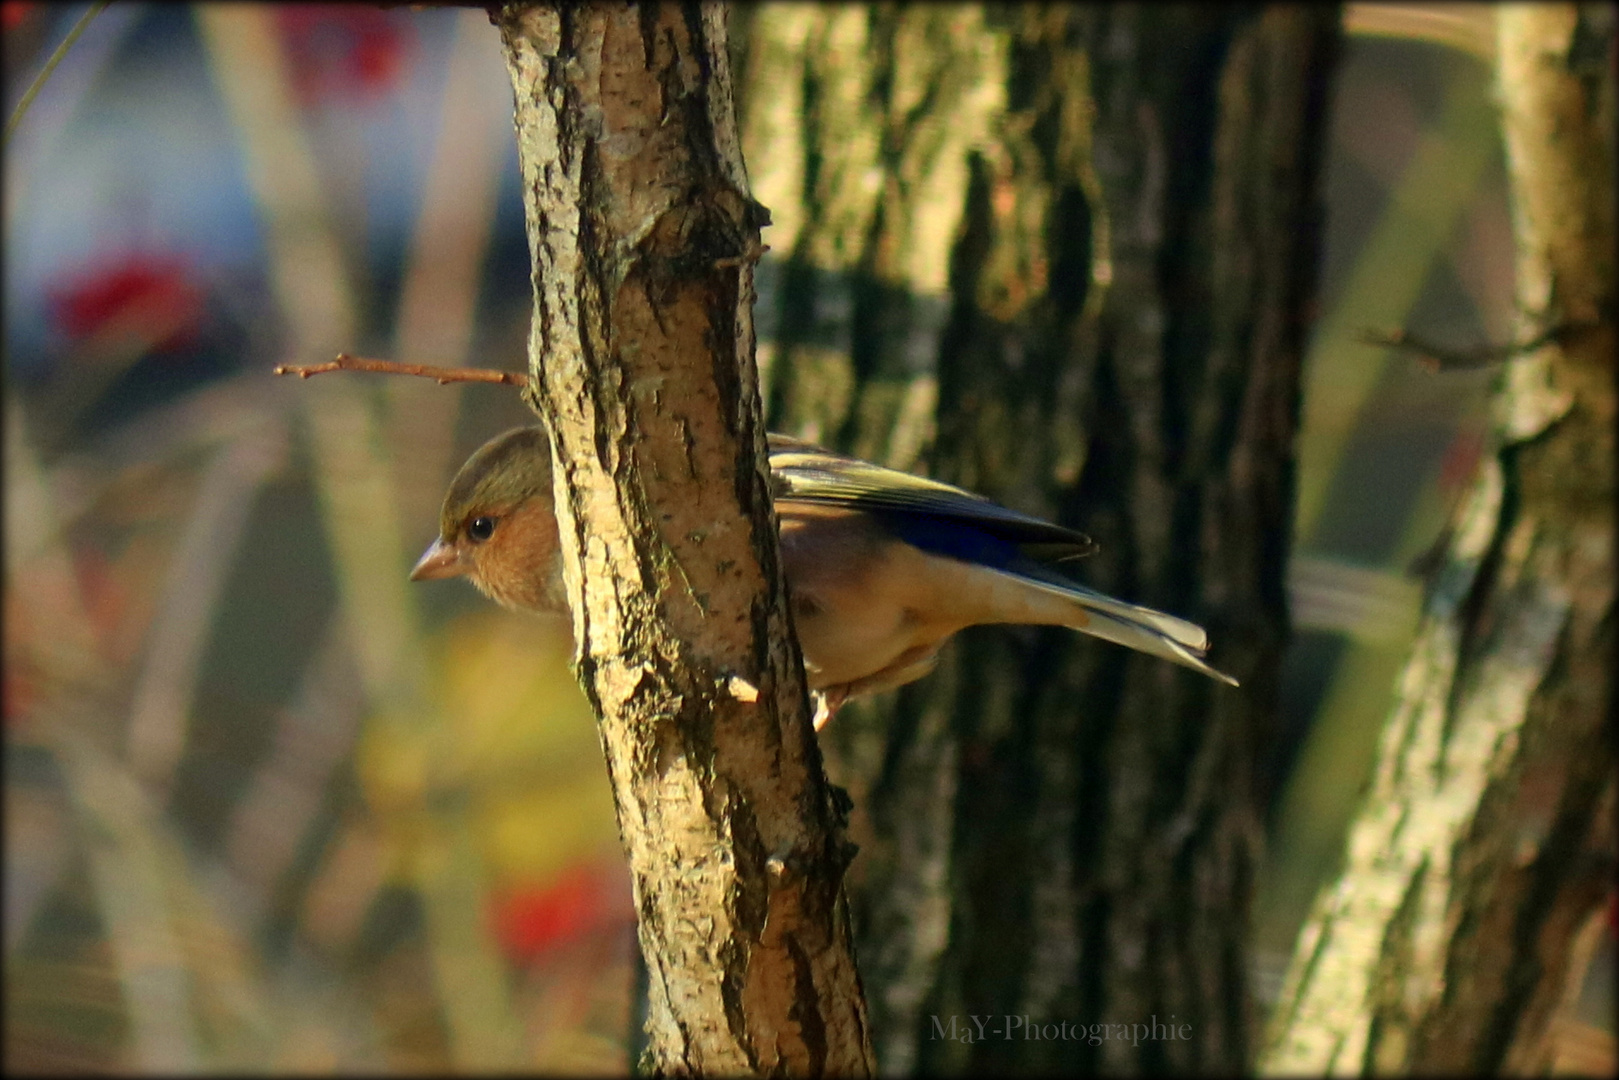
(444,375)
(643,235)
(1437,358)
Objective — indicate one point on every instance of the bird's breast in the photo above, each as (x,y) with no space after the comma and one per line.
(863,599)
(860,598)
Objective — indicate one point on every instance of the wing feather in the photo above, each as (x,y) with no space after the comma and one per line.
(971,527)
(806,473)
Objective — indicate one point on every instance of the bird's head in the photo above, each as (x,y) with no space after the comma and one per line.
(498,525)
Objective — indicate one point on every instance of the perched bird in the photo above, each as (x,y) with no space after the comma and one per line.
(882,567)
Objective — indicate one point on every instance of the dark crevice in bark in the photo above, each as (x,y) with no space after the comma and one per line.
(1561,862)
(1474,612)
(1103,807)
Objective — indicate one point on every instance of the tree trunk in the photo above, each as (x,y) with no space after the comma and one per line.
(1487,839)
(642,232)
(1065,257)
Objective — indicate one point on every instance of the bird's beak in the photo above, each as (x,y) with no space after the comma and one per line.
(440,560)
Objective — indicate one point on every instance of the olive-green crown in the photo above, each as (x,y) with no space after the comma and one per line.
(503,472)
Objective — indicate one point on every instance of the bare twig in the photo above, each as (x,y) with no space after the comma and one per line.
(444,375)
(1438,358)
(754,253)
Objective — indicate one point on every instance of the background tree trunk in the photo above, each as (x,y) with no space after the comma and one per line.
(642,233)
(1487,840)
(1063,257)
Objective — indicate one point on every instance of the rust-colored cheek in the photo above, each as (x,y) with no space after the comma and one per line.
(521,564)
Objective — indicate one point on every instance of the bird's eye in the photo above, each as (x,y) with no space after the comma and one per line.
(481,528)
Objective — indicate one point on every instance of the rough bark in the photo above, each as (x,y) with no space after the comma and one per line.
(641,228)
(861,126)
(1487,838)
(1053,829)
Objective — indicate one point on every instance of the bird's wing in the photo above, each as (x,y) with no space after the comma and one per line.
(946,520)
(806,473)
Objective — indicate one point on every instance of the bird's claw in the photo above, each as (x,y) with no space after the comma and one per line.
(827,703)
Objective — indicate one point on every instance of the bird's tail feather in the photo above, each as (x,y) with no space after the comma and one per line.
(1188,634)
(1149,640)
(1136,627)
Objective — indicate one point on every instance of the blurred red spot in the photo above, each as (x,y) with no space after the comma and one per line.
(338,50)
(18,691)
(150,296)
(584,899)
(1461,459)
(105,598)
(14,12)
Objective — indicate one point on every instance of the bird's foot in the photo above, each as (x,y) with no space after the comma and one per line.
(827,703)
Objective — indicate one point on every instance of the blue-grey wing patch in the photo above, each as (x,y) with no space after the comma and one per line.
(807,473)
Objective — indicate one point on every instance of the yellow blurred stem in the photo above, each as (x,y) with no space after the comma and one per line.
(354,478)
(525,741)
(50,65)
(193,1001)
(1325,785)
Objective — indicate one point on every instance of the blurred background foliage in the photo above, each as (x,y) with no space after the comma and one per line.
(271,808)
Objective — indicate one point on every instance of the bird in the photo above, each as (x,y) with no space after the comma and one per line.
(882,566)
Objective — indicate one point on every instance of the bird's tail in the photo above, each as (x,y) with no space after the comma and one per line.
(1134,626)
